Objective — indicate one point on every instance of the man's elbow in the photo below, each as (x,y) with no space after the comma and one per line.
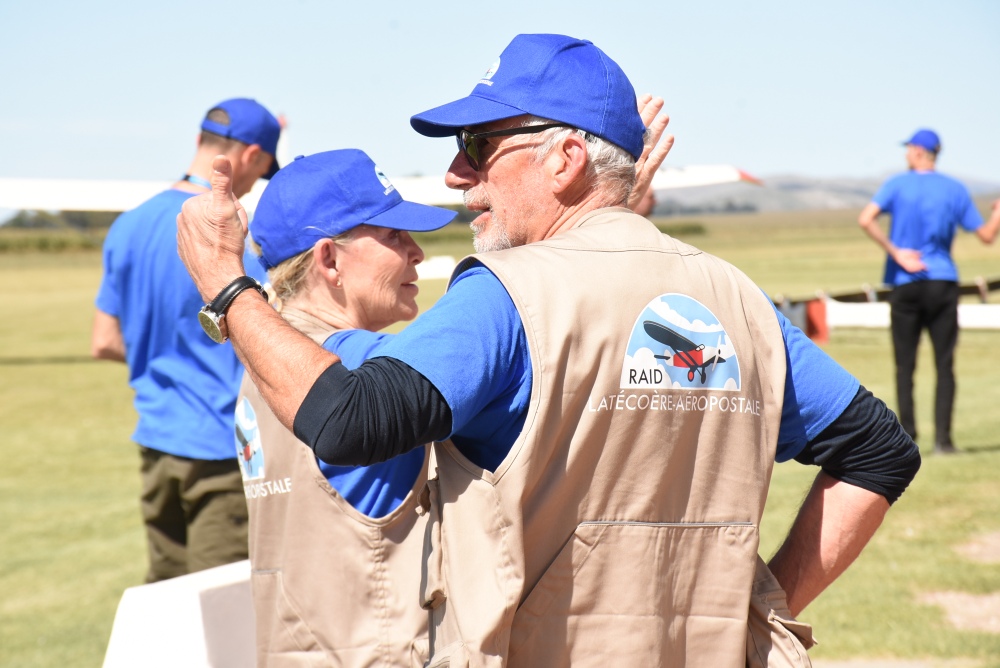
(869,216)
(909,460)
(106,350)
(986,236)
(106,340)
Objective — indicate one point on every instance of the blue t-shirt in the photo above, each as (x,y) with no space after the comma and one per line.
(185,384)
(478,359)
(378,489)
(926,209)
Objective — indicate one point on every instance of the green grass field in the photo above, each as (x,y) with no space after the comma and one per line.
(70,536)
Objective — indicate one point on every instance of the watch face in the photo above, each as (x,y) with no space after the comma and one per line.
(210,323)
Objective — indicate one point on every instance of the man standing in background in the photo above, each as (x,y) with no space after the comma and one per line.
(185,384)
(927,208)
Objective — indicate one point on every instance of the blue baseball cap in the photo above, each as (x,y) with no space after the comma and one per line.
(551,76)
(250,123)
(926,139)
(320,196)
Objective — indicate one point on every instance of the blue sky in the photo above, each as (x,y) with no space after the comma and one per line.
(116,89)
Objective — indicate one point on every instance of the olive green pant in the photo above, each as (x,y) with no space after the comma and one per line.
(195,513)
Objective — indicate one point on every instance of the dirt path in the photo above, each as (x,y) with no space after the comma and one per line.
(985,549)
(968,612)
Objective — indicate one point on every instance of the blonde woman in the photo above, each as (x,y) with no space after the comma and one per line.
(335,550)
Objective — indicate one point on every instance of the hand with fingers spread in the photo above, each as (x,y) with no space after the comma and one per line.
(654,152)
(211,229)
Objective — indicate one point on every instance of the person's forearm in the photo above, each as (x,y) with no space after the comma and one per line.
(106,340)
(282,362)
(835,523)
(868,220)
(988,232)
(907,258)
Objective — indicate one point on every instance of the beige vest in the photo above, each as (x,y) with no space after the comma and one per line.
(622,527)
(331,586)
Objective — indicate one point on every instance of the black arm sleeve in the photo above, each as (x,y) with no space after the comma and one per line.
(376,412)
(867,447)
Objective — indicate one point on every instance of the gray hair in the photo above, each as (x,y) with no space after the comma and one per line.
(610,168)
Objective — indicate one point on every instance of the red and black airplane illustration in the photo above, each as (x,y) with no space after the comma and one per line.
(248,447)
(687,354)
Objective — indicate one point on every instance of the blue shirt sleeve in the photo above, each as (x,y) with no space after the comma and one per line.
(116,261)
(817,390)
(379,489)
(109,294)
(968,214)
(354,346)
(478,359)
(885,195)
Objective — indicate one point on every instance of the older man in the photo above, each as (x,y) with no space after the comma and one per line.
(614,398)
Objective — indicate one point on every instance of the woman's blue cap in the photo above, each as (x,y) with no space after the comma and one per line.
(551,76)
(323,195)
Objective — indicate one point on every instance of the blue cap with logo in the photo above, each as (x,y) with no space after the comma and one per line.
(926,139)
(250,123)
(551,76)
(320,196)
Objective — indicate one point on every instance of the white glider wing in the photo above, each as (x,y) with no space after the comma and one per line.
(669,178)
(76,194)
(105,195)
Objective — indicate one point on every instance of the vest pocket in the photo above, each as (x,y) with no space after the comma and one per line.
(774,637)
(640,593)
(281,631)
(432,589)
(454,655)
(420,652)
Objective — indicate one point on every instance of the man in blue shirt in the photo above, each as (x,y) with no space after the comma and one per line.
(927,208)
(185,385)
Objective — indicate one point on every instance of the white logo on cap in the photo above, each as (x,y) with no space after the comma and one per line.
(384,180)
(489,73)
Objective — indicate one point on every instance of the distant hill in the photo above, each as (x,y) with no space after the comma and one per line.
(786,192)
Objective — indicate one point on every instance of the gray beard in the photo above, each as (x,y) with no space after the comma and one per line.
(495,240)
(486,242)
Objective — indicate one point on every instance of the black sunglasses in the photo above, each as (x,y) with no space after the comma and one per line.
(471,143)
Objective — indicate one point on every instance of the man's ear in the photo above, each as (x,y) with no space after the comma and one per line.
(250,155)
(568,162)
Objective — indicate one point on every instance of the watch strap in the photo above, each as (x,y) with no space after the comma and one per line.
(221,303)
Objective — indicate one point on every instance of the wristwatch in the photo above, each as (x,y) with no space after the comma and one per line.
(213,316)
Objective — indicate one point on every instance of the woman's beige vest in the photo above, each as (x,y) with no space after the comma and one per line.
(622,527)
(331,587)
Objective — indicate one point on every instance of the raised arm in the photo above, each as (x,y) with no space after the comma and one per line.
(282,362)
(907,258)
